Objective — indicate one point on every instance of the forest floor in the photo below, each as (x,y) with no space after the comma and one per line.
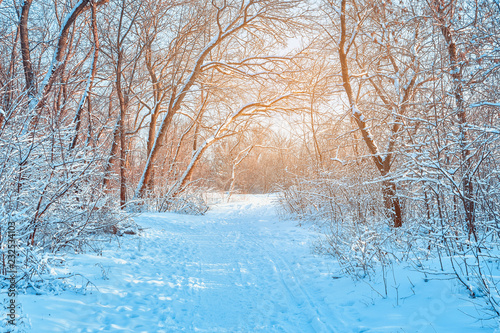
(239,268)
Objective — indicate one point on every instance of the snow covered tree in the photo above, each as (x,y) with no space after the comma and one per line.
(205,60)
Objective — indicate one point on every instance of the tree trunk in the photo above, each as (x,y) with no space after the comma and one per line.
(444,22)
(111,158)
(25,48)
(121,129)
(392,203)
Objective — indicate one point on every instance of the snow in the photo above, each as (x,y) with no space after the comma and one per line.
(475,105)
(239,268)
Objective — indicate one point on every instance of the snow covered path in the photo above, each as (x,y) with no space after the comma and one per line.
(232,271)
(237,269)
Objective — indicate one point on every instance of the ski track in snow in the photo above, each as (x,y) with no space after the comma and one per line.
(236,269)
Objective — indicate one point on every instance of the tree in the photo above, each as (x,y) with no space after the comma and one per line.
(49,165)
(378,77)
(224,23)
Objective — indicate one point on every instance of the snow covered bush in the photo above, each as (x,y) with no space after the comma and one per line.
(49,201)
(332,197)
(434,238)
(190,201)
(54,138)
(348,211)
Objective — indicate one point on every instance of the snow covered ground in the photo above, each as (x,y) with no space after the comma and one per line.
(239,269)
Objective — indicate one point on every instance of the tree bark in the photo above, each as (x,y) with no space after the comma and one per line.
(123,101)
(25,48)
